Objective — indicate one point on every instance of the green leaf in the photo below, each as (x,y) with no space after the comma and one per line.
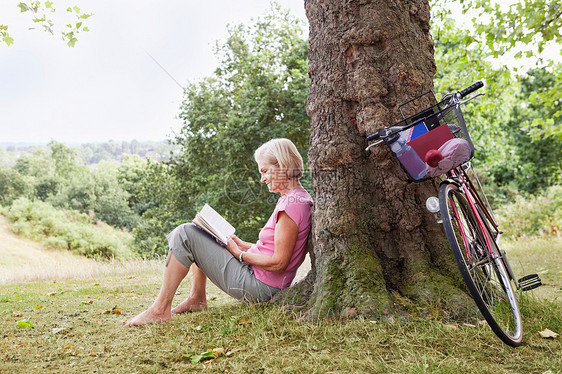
(48,4)
(24,323)
(23,7)
(203,356)
(76,9)
(8,40)
(195,358)
(86,28)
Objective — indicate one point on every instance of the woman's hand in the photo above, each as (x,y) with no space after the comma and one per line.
(286,232)
(233,248)
(242,245)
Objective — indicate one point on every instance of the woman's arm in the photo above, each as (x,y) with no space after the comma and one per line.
(286,232)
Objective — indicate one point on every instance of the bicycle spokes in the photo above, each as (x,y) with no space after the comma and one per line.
(481,264)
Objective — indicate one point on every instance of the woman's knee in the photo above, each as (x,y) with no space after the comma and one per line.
(184,231)
(188,228)
(182,244)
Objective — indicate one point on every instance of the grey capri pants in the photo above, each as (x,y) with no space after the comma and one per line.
(189,245)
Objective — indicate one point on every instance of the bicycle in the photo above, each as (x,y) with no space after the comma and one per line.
(433,143)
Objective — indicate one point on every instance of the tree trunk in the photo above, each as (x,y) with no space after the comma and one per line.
(376,250)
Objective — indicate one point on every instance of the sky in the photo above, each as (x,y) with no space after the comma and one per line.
(108,87)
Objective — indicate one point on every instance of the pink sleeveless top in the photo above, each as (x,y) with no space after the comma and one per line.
(297,204)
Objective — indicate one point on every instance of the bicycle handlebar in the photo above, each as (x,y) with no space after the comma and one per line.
(385,132)
(373,136)
(470,89)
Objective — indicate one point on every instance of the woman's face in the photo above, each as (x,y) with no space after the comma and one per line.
(272,175)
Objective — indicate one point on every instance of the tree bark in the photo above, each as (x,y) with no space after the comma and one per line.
(376,250)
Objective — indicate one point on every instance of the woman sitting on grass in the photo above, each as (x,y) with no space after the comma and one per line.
(246,271)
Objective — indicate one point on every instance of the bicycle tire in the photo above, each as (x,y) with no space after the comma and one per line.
(484,274)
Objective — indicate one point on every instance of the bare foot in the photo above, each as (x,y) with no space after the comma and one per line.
(190,305)
(148,316)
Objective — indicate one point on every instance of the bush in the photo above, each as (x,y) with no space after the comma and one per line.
(56,243)
(13,185)
(538,216)
(65,229)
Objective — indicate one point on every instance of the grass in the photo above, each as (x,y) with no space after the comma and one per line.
(63,265)
(77,328)
(538,255)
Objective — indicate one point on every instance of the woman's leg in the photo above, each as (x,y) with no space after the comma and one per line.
(197,299)
(160,310)
(189,245)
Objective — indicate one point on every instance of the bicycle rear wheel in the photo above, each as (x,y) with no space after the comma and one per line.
(481,267)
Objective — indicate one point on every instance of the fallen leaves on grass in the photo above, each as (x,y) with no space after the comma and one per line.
(58,330)
(210,354)
(113,310)
(18,314)
(24,323)
(548,334)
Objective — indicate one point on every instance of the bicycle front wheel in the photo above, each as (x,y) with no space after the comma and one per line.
(481,266)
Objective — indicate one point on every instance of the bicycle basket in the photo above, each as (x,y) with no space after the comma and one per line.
(432,142)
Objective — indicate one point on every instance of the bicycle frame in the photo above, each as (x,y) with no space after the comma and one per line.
(459,177)
(468,193)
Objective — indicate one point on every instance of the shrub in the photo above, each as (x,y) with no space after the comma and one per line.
(13,185)
(65,229)
(56,243)
(537,216)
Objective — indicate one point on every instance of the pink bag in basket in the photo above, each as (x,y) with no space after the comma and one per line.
(451,154)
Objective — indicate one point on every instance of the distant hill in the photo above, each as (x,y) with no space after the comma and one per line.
(93,153)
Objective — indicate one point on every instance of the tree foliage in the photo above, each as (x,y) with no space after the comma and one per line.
(527,28)
(530,24)
(515,126)
(42,16)
(258,93)
(534,161)
(57,176)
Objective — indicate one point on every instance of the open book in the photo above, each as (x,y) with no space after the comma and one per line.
(213,223)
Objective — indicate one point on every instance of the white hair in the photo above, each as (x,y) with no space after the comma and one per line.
(284,153)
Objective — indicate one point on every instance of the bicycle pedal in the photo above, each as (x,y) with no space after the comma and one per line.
(529,282)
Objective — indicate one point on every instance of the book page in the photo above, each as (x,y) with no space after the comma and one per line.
(214,223)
